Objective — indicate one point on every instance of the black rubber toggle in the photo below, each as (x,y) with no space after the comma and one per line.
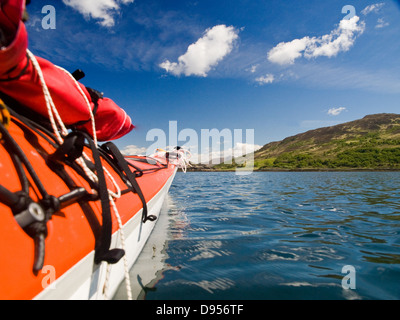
(78,74)
(150,218)
(111,256)
(70,150)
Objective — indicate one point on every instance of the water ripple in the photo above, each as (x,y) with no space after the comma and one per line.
(283,235)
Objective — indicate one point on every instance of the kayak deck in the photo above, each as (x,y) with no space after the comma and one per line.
(72,232)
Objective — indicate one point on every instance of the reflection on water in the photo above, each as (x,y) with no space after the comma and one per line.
(279,236)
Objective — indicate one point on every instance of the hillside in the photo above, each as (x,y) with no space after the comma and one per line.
(371,143)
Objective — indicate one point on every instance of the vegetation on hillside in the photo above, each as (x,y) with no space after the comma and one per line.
(371,143)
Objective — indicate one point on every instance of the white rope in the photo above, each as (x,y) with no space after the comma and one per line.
(56,123)
(126,266)
(86,101)
(106,282)
(51,108)
(118,190)
(182,159)
(117,194)
(54,115)
(122,235)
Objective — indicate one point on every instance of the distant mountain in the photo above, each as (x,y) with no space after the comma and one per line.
(371,143)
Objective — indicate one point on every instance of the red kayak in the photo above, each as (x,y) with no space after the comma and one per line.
(73,216)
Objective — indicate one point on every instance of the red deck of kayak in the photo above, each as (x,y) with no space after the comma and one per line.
(70,232)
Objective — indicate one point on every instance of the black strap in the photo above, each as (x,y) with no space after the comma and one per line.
(18,152)
(95,96)
(21,203)
(121,162)
(102,250)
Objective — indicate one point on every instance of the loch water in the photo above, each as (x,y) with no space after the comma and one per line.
(274,235)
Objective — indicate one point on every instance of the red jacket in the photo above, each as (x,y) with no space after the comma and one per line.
(19,80)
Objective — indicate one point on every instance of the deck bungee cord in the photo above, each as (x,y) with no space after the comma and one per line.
(70,150)
(33,216)
(65,200)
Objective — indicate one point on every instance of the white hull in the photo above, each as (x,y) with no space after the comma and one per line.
(86,280)
(148,268)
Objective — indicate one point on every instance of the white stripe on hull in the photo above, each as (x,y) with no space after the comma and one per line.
(86,280)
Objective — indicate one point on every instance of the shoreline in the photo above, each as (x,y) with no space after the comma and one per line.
(298,170)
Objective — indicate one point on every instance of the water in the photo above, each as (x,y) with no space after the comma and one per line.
(276,236)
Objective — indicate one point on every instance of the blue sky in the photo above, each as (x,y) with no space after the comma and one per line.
(278,67)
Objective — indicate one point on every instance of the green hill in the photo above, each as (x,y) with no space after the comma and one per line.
(371,143)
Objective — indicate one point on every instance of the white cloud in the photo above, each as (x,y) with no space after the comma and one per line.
(205,53)
(104,10)
(372,8)
(224,155)
(381,23)
(287,52)
(340,39)
(242,149)
(253,68)
(133,150)
(268,78)
(336,111)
